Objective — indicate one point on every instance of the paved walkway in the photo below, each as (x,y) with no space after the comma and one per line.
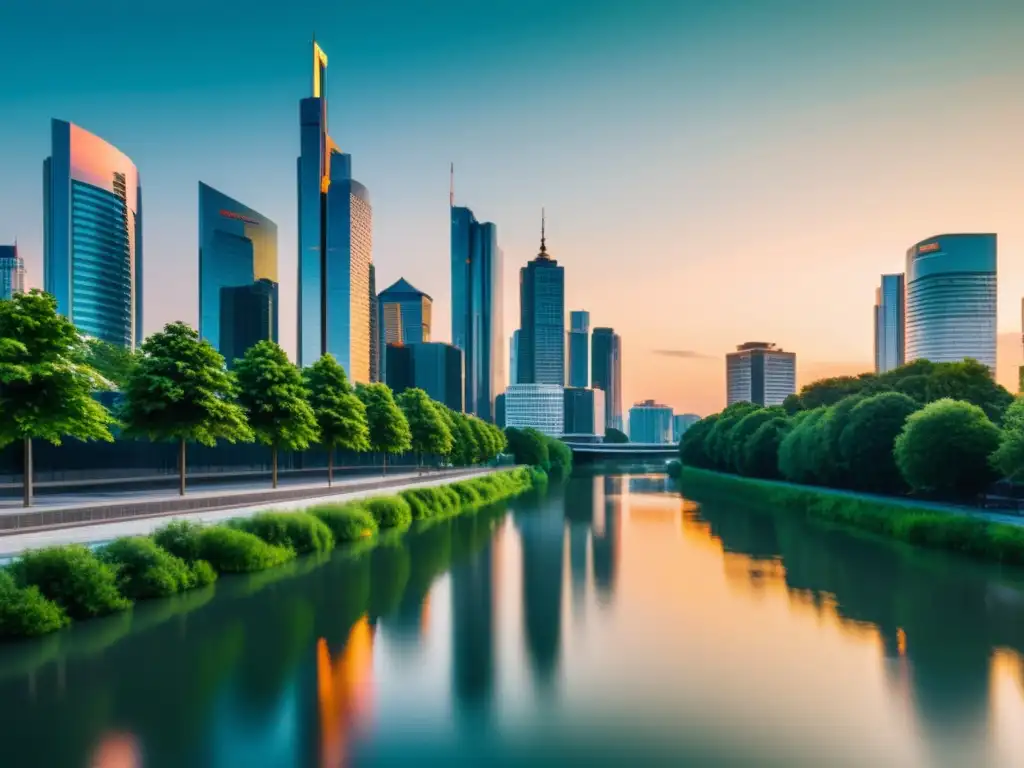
(99,533)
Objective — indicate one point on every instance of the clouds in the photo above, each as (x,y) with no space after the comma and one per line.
(685,354)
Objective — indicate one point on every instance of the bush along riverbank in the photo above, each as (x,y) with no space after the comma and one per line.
(46,589)
(974,536)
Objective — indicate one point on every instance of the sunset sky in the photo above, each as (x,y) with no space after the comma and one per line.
(713,172)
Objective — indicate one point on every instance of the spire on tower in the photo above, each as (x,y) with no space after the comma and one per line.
(543,243)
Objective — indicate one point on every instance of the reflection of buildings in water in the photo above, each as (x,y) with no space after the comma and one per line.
(579,536)
(117,750)
(473,635)
(583,497)
(648,484)
(606,543)
(344,686)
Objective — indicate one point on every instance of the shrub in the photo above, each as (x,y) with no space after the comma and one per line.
(181,538)
(468,494)
(390,511)
(74,578)
(145,570)
(203,573)
(24,612)
(300,531)
(230,550)
(348,522)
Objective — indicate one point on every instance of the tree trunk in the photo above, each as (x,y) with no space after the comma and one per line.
(385,463)
(181,467)
(27,478)
(330,466)
(273,465)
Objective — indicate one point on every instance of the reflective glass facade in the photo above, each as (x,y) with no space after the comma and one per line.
(403,317)
(92,235)
(542,321)
(951,299)
(761,373)
(238,277)
(606,372)
(889,347)
(541,406)
(434,367)
(579,349)
(650,422)
(584,411)
(12,271)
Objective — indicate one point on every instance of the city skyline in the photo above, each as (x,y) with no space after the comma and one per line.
(854,192)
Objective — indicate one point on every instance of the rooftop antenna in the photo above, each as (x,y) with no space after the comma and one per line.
(543,245)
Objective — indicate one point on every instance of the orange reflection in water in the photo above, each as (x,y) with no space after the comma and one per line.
(343,691)
(117,750)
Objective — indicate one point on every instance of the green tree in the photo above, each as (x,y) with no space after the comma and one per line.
(44,391)
(971,382)
(389,429)
(761,450)
(465,440)
(945,448)
(745,427)
(868,439)
(274,397)
(792,404)
(113,363)
(428,430)
(613,435)
(825,392)
(1009,456)
(180,390)
(481,438)
(823,450)
(719,444)
(528,446)
(693,448)
(795,446)
(340,415)
(559,458)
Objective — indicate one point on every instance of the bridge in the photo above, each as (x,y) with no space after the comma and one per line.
(584,451)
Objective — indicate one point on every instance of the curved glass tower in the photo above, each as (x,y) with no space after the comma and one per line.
(92,235)
(950,311)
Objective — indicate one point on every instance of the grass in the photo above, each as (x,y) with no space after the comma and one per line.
(972,536)
(45,589)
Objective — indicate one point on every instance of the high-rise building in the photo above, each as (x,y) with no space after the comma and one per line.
(434,367)
(541,354)
(238,280)
(12,271)
(650,422)
(579,349)
(682,422)
(335,244)
(759,372)
(541,406)
(376,351)
(499,410)
(606,373)
(889,349)
(513,355)
(478,326)
(404,314)
(584,411)
(951,299)
(92,235)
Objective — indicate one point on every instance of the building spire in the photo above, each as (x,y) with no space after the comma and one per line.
(543,244)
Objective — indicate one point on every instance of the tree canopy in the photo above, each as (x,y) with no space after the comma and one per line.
(388,427)
(613,435)
(428,430)
(868,440)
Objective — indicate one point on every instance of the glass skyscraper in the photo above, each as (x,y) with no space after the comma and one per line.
(434,367)
(759,372)
(542,320)
(238,281)
(951,299)
(650,422)
(889,347)
(606,372)
(579,349)
(478,309)
(92,235)
(12,271)
(335,244)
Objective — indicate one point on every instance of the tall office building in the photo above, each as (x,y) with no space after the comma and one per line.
(541,406)
(889,348)
(606,373)
(951,299)
(403,317)
(542,319)
(579,349)
(92,235)
(682,422)
(434,367)
(478,308)
(650,422)
(759,372)
(513,358)
(238,281)
(376,351)
(584,411)
(12,271)
(335,244)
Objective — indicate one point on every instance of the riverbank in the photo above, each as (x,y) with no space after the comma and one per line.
(922,525)
(45,590)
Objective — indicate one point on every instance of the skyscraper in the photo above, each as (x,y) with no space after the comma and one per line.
(606,373)
(760,373)
(375,348)
(889,350)
(238,281)
(513,355)
(583,411)
(477,308)
(12,271)
(542,319)
(579,349)
(335,244)
(403,317)
(433,366)
(650,422)
(951,299)
(92,235)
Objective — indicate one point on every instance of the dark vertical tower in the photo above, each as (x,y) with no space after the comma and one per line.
(541,353)
(606,373)
(579,349)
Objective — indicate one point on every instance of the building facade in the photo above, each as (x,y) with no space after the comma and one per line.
(583,411)
(650,422)
(579,349)
(335,245)
(759,372)
(541,406)
(434,367)
(606,373)
(92,235)
(541,355)
(238,274)
(889,303)
(12,271)
(513,358)
(682,422)
(951,299)
(478,308)
(403,317)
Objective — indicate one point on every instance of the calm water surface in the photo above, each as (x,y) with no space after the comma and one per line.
(606,623)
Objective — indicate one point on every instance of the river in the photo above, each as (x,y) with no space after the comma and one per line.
(607,622)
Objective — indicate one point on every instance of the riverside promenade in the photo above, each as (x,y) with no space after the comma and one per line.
(100,516)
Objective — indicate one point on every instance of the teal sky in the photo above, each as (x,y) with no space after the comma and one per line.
(713,172)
